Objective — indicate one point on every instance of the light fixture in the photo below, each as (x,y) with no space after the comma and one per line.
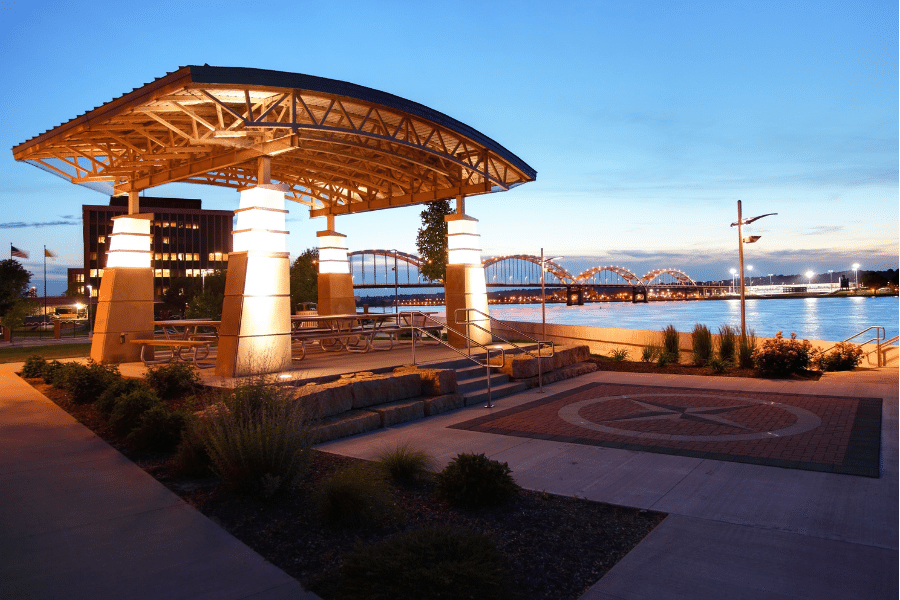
(741,241)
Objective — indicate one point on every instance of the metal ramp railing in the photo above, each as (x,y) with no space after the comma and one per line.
(426,330)
(540,343)
(878,340)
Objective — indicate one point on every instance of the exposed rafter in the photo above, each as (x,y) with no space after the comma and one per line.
(337,147)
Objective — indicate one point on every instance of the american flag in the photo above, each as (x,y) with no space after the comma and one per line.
(16,252)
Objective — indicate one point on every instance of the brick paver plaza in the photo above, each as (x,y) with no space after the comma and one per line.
(818,433)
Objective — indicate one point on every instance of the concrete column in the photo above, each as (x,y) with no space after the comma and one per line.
(255,335)
(465,286)
(125,300)
(334,280)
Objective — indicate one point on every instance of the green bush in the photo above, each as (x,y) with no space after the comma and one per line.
(671,342)
(111,395)
(702,345)
(173,380)
(650,353)
(158,429)
(191,458)
(845,356)
(405,464)
(434,563)
(746,347)
(125,415)
(727,343)
(53,373)
(473,480)
(666,358)
(34,366)
(718,365)
(355,497)
(619,354)
(85,383)
(779,356)
(257,438)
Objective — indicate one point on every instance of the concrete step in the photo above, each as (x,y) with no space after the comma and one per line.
(479,381)
(505,389)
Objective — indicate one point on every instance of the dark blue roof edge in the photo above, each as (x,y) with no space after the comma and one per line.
(282,79)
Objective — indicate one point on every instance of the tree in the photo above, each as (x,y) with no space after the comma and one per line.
(431,240)
(304,279)
(208,303)
(14,280)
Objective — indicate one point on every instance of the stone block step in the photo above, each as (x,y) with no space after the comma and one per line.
(466,386)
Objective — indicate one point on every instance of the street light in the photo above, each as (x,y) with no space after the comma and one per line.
(733,273)
(809,276)
(544,262)
(741,241)
(856,274)
(750,268)
(90,301)
(770,280)
(831,278)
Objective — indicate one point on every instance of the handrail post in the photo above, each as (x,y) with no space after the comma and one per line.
(540,370)
(487,366)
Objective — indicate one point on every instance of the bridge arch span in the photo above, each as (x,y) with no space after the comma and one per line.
(412,259)
(553,268)
(680,276)
(622,272)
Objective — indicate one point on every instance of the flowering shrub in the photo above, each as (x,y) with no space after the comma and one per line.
(779,356)
(843,357)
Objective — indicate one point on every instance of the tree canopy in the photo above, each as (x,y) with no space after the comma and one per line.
(305,278)
(14,280)
(431,240)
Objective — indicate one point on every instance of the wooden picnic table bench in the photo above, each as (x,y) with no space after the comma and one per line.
(177,346)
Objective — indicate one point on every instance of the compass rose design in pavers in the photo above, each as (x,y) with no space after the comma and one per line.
(648,408)
(669,412)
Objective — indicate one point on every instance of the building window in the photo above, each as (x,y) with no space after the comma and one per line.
(79,277)
(93,256)
(101,239)
(165,240)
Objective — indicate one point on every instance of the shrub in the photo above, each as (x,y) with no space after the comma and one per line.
(671,342)
(111,395)
(779,356)
(127,412)
(257,438)
(53,372)
(191,458)
(666,358)
(727,343)
(354,497)
(701,342)
(845,356)
(619,354)
(405,464)
(85,383)
(473,480)
(173,379)
(650,353)
(746,347)
(34,366)
(158,429)
(718,365)
(436,563)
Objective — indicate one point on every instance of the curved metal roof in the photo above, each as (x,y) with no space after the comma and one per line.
(338,147)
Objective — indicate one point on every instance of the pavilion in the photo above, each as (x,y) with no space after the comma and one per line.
(336,147)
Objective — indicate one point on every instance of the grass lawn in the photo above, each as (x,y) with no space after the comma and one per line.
(51,351)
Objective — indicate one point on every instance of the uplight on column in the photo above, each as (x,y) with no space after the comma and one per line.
(333,253)
(129,243)
(261,220)
(463,242)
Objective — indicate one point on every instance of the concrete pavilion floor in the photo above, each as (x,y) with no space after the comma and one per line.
(78,520)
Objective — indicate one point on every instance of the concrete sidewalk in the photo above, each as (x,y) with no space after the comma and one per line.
(79,520)
(734,530)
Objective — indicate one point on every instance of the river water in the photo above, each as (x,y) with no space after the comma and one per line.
(834,319)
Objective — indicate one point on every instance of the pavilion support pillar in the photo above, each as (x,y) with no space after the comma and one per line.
(335,282)
(125,301)
(464,286)
(255,334)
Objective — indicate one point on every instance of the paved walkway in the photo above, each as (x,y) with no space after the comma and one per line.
(79,520)
(734,530)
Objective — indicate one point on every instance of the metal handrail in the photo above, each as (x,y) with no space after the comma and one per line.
(486,364)
(878,339)
(468,321)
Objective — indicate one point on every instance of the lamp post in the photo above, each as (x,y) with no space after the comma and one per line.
(809,276)
(741,241)
(831,278)
(544,262)
(750,268)
(733,273)
(770,280)
(856,274)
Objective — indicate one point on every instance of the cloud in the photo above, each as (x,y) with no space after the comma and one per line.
(68,220)
(823,230)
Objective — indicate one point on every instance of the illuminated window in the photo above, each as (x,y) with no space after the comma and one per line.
(80,290)
(165,240)
(101,239)
(196,256)
(79,277)
(180,256)
(157,256)
(93,256)
(93,272)
(157,273)
(225,257)
(94,292)
(165,256)
(165,272)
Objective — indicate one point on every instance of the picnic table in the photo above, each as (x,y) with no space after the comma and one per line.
(181,334)
(354,332)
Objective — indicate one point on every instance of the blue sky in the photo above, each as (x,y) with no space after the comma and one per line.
(646,122)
